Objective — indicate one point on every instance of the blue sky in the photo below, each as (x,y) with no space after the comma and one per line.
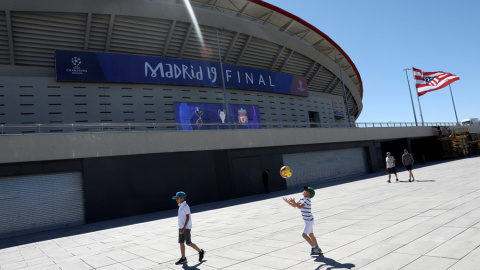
(384,37)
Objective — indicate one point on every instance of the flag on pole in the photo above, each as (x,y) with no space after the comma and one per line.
(431,81)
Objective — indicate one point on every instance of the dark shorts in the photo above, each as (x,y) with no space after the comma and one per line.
(409,167)
(392,170)
(185,237)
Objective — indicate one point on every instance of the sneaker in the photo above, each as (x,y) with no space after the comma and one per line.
(397,180)
(388,181)
(200,255)
(181,261)
(312,252)
(318,250)
(409,180)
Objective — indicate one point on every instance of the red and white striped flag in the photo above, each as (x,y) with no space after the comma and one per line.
(431,81)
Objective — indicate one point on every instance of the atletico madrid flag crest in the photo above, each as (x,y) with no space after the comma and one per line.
(431,81)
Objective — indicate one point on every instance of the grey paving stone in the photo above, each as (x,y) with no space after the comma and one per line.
(98,261)
(420,246)
(78,265)
(376,251)
(471,261)
(427,262)
(139,263)
(391,261)
(273,262)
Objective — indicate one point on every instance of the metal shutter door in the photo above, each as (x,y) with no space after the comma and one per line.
(325,165)
(40,202)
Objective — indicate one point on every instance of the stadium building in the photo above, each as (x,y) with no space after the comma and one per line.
(107,108)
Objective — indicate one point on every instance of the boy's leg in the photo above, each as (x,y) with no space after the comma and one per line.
(192,245)
(305,236)
(182,249)
(314,239)
(188,240)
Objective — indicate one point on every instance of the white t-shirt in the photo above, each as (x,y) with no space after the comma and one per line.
(183,211)
(390,161)
(307,210)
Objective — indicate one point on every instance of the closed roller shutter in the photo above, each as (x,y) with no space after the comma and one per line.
(325,165)
(40,202)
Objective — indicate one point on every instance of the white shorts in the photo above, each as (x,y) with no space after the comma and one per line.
(308,227)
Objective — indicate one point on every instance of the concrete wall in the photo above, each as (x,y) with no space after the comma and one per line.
(37,147)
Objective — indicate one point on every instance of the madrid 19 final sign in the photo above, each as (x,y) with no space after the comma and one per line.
(81,66)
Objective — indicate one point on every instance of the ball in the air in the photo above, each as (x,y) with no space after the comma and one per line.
(285,172)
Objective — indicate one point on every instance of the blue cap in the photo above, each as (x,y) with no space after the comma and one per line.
(179,194)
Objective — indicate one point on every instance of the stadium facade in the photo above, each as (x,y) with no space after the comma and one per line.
(152,66)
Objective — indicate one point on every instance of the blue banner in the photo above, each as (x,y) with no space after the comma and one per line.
(201,116)
(81,66)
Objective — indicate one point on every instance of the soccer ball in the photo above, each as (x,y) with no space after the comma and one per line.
(285,172)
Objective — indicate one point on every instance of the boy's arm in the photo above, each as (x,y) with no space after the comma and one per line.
(186,222)
(287,201)
(292,202)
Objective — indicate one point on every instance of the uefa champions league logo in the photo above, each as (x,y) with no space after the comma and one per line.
(76,61)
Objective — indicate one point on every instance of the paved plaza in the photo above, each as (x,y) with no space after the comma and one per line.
(433,223)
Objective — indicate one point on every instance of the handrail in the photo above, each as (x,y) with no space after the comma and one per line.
(9,129)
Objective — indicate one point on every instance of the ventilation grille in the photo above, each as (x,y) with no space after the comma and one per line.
(321,80)
(4,47)
(297,64)
(259,54)
(138,35)
(37,35)
(177,39)
(98,32)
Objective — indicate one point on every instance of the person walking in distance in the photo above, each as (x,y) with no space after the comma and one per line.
(407,160)
(390,164)
(265,180)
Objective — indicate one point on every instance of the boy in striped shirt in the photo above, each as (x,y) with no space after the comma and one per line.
(305,207)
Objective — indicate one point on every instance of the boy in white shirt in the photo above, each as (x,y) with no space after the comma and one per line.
(185,227)
(306,208)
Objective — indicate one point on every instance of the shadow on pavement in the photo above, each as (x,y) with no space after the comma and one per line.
(193,267)
(332,264)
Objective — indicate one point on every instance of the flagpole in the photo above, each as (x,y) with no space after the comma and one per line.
(449,85)
(410,91)
(418,97)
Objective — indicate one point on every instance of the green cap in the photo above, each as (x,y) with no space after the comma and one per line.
(311,190)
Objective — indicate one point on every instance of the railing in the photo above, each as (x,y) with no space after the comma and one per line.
(145,127)
(406,124)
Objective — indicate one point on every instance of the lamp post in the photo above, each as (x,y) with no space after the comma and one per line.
(410,91)
(344,91)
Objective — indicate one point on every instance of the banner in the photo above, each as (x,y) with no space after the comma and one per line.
(81,66)
(202,116)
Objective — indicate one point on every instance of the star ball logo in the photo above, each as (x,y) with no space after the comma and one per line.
(76,69)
